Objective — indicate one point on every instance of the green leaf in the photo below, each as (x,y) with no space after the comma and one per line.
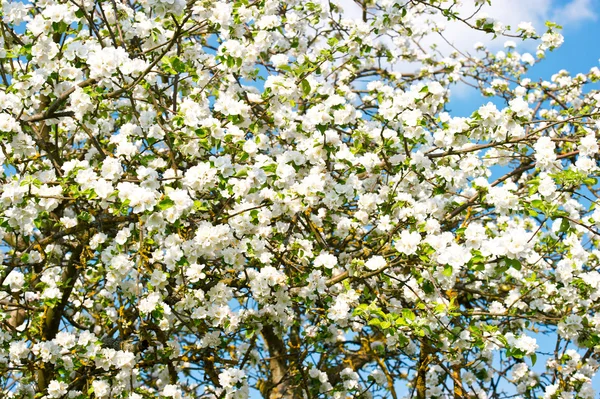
(177,64)
(305,87)
(269,168)
(165,203)
(537,203)
(590,181)
(362,308)
(85,216)
(202,132)
(241,173)
(374,322)
(199,206)
(408,314)
(60,27)
(428,287)
(564,226)
(440,307)
(447,271)
(514,263)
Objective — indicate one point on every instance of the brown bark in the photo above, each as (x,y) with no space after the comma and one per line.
(458,389)
(278,386)
(423,365)
(16,312)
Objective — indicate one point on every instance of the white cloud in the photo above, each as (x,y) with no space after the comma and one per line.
(576,11)
(509,12)
(512,12)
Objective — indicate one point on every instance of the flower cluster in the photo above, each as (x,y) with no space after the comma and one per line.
(209,199)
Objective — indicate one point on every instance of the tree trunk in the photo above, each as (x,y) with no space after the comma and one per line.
(422,366)
(278,386)
(458,389)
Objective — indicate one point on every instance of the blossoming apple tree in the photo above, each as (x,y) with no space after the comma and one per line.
(225,199)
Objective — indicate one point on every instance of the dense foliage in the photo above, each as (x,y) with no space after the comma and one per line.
(211,198)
